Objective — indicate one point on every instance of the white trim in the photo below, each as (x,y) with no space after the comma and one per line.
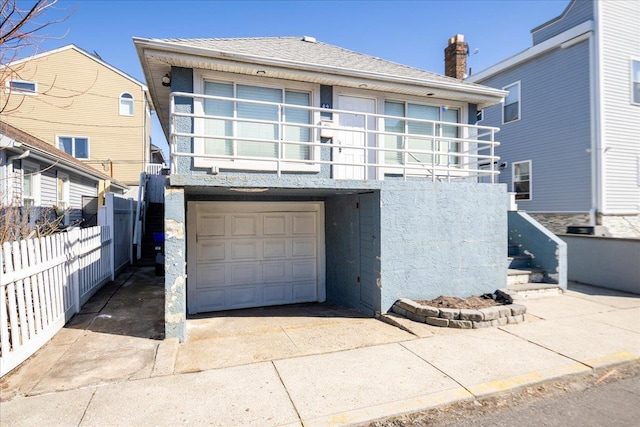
(517,83)
(9,89)
(73,146)
(601,165)
(533,51)
(513,180)
(631,61)
(66,194)
(131,99)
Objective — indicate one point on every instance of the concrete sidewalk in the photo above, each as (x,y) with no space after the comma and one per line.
(339,381)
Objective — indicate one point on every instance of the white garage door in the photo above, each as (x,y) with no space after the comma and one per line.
(253,254)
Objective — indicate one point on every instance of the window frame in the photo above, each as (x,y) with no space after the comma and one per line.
(63,182)
(130,101)
(513,180)
(35,183)
(389,168)
(633,82)
(504,104)
(9,89)
(253,165)
(73,146)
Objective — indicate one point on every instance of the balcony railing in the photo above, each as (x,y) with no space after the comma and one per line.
(350,144)
(154,168)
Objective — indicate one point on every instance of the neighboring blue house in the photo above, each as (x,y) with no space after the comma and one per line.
(40,179)
(570,126)
(305,172)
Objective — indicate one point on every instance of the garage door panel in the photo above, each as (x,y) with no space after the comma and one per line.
(211,250)
(277,294)
(303,292)
(303,269)
(211,300)
(244,249)
(243,274)
(304,223)
(211,225)
(274,248)
(275,271)
(304,248)
(244,225)
(210,275)
(243,297)
(274,224)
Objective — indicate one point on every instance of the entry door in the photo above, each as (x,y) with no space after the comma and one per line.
(351,139)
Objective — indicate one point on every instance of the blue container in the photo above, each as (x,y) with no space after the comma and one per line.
(158,237)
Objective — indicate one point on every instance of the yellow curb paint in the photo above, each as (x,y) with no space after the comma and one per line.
(611,359)
(388,409)
(520,380)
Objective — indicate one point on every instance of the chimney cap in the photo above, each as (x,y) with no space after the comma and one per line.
(458,38)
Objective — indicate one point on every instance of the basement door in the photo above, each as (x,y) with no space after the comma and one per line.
(352,138)
(253,254)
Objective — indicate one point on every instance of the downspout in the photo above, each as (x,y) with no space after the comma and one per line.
(595,150)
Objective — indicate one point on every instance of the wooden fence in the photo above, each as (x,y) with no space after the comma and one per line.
(43,283)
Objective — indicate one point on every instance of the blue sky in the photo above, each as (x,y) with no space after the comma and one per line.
(414,32)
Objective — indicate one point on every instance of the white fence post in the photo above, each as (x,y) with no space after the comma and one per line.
(110,222)
(73,246)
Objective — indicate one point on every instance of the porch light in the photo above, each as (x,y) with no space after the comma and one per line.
(166,80)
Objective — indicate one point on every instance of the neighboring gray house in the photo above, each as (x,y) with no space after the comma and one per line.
(301,172)
(570,126)
(37,177)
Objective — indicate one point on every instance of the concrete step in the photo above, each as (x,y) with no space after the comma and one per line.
(532,290)
(519,261)
(518,276)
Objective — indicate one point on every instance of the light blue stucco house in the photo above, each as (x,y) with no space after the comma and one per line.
(302,172)
(570,126)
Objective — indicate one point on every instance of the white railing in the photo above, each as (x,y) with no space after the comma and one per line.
(45,281)
(449,151)
(154,168)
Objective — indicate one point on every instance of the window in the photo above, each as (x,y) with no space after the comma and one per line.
(424,136)
(479,115)
(258,123)
(635,82)
(511,104)
(74,146)
(126,104)
(22,87)
(30,184)
(522,180)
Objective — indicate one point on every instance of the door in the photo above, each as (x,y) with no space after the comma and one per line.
(352,139)
(253,254)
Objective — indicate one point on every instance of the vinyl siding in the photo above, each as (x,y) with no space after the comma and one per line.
(78,96)
(620,42)
(578,12)
(80,186)
(554,129)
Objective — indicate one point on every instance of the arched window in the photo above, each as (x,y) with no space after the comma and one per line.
(126,104)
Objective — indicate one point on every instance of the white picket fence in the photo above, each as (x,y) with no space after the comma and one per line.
(43,283)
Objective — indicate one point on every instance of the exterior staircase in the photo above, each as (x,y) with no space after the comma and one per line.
(523,281)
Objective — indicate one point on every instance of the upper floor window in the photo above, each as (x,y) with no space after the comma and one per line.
(635,82)
(511,104)
(22,87)
(74,146)
(126,104)
(522,180)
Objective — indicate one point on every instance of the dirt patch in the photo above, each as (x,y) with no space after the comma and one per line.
(472,302)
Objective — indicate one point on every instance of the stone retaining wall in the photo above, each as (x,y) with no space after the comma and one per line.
(498,315)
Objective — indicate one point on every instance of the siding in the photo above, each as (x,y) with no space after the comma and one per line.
(620,42)
(576,13)
(78,96)
(554,129)
(80,186)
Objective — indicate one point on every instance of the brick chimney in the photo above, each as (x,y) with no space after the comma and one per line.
(455,57)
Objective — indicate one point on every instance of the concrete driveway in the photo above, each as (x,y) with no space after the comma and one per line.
(118,336)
